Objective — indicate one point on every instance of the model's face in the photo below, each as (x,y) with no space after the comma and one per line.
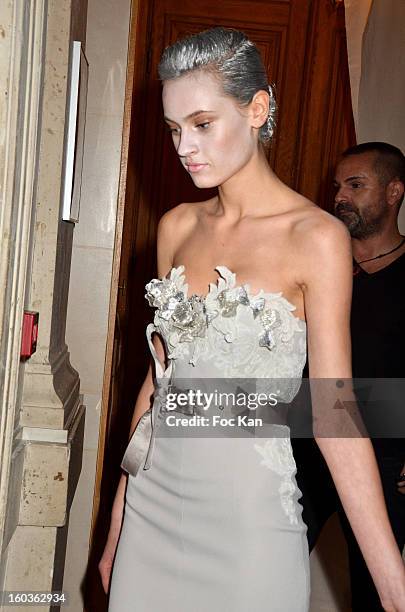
(360,200)
(211,133)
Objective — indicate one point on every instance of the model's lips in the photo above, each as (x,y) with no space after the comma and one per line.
(195,167)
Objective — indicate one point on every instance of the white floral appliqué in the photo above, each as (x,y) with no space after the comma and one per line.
(242,334)
(277,455)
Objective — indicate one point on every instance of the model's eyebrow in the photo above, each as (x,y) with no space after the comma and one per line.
(191,115)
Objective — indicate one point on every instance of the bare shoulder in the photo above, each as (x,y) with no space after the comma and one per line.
(309,224)
(185,214)
(321,246)
(173,228)
(176,217)
(319,232)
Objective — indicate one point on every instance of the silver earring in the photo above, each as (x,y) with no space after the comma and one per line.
(271,117)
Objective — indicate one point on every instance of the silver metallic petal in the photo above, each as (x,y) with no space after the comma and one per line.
(228,304)
(266,339)
(183,314)
(257,306)
(243,297)
(165,314)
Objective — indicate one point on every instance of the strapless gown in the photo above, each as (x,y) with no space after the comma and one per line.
(212,521)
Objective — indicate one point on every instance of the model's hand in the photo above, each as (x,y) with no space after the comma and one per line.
(117,513)
(401,482)
(393,595)
(397,605)
(106,561)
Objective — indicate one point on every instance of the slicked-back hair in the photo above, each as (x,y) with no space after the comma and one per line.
(229,55)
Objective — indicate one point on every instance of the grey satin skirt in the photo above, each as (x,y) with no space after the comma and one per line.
(214,525)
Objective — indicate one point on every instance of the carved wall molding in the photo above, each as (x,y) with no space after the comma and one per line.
(41,410)
(21,81)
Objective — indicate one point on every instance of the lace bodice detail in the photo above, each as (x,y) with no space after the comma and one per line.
(228,334)
(235,333)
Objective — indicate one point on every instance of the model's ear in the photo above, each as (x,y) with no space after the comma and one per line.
(394,192)
(259,108)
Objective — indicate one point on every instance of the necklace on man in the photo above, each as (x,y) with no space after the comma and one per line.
(383,254)
(356,264)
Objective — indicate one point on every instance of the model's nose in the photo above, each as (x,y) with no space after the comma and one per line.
(186,145)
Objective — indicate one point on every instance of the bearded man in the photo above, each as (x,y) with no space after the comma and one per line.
(369,181)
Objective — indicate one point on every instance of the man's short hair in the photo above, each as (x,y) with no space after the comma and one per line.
(389,162)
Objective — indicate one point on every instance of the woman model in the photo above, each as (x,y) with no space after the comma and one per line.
(213,524)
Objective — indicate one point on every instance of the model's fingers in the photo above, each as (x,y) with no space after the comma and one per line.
(105,572)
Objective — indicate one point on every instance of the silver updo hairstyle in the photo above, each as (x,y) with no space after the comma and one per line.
(229,54)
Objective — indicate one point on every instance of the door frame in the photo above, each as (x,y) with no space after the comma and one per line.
(135,12)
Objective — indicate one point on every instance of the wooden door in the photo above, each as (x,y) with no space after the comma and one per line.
(304,50)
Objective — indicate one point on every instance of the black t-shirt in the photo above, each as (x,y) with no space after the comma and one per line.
(378,335)
(378,322)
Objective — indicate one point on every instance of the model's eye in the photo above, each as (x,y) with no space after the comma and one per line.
(204,126)
(172,130)
(356,185)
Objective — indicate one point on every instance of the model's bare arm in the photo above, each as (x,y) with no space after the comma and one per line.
(327,285)
(142,404)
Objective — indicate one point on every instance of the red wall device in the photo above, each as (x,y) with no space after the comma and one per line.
(29,333)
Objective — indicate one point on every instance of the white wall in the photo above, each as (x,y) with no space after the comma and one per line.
(382,84)
(356,15)
(106,49)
